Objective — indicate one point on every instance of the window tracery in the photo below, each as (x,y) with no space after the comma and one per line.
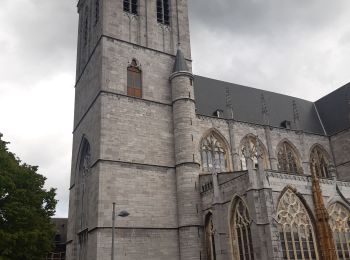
(130,6)
(288,161)
(296,230)
(319,163)
(240,232)
(163,12)
(134,79)
(339,220)
(210,238)
(250,142)
(213,154)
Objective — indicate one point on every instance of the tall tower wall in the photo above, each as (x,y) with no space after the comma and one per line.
(132,155)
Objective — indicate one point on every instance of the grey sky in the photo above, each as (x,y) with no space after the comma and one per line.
(295,47)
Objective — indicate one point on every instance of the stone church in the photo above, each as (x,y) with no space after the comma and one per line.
(207,170)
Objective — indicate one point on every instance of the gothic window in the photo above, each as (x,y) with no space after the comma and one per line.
(134,80)
(97,11)
(297,234)
(84,168)
(240,232)
(339,220)
(319,162)
(213,154)
(250,142)
(209,237)
(163,12)
(288,161)
(130,6)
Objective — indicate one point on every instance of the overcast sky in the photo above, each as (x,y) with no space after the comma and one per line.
(294,47)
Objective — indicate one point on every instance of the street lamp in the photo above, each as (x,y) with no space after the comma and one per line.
(122,214)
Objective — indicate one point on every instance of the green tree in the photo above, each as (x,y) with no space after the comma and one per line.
(25,209)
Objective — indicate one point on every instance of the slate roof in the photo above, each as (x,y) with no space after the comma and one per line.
(334,109)
(326,116)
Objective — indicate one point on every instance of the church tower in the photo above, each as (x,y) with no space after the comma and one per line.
(133,134)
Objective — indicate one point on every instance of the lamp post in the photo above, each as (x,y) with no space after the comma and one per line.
(122,214)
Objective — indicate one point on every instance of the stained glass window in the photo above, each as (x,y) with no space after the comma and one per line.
(288,160)
(213,154)
(297,234)
(339,218)
(240,232)
(250,142)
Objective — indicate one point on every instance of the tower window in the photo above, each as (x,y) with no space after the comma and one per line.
(163,12)
(97,11)
(134,80)
(130,6)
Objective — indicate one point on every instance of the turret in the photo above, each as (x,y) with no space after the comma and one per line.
(186,164)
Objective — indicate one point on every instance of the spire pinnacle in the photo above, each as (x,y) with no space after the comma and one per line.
(264,110)
(229,102)
(296,115)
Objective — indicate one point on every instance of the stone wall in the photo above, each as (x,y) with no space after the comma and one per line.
(341,150)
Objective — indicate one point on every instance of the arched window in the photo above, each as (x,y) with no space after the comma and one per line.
(288,161)
(319,162)
(297,234)
(241,236)
(130,6)
(250,141)
(84,169)
(213,154)
(339,220)
(163,12)
(210,237)
(134,80)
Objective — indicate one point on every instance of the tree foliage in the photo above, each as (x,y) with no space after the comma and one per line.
(25,209)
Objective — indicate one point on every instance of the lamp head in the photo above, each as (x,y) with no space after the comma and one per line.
(123,213)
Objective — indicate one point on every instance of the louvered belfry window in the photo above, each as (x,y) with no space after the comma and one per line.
(163,12)
(130,6)
(134,80)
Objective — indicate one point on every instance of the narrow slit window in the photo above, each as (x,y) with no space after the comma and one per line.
(134,80)
(130,6)
(163,12)
(97,11)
